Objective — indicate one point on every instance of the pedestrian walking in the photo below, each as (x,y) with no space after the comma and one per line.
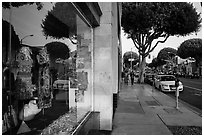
(126,78)
(132,75)
(123,76)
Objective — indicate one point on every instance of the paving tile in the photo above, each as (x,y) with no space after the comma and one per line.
(172,111)
(136,119)
(143,111)
(129,107)
(141,130)
(154,109)
(181,120)
(152,103)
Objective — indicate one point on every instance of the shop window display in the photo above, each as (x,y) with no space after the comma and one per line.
(46,59)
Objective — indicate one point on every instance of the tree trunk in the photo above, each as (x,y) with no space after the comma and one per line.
(142,69)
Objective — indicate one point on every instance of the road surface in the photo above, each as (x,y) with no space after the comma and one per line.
(192,93)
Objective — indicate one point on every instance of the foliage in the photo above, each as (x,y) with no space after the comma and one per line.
(145,22)
(156,63)
(128,55)
(191,48)
(166,53)
(59,22)
(153,63)
(58,50)
(6,5)
(54,28)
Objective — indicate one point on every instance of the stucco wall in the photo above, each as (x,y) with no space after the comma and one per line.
(105,64)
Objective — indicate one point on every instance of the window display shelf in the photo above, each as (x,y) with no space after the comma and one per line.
(65,124)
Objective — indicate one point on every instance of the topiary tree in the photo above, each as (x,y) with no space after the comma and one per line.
(60,22)
(57,50)
(153,64)
(130,55)
(151,23)
(156,63)
(166,53)
(191,48)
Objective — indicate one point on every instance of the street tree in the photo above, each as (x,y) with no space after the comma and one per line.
(166,53)
(153,64)
(151,23)
(57,50)
(191,48)
(127,59)
(156,63)
(60,22)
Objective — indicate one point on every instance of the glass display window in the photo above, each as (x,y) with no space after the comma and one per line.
(47,68)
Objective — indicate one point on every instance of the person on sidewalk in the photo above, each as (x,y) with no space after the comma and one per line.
(126,78)
(132,75)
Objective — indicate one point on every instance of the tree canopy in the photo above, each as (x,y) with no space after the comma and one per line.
(156,63)
(151,23)
(60,22)
(57,50)
(166,53)
(146,21)
(130,55)
(191,48)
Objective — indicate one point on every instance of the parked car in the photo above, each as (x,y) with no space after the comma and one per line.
(149,79)
(166,83)
(61,84)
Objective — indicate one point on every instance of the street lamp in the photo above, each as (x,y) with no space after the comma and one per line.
(25,37)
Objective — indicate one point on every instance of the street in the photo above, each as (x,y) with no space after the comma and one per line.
(192,93)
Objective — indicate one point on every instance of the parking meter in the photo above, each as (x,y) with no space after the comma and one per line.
(177,92)
(177,82)
(177,85)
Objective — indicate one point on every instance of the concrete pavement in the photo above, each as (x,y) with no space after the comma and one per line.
(143,110)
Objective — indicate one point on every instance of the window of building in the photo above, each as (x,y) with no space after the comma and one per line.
(47,68)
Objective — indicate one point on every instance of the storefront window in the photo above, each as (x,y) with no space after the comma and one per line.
(47,68)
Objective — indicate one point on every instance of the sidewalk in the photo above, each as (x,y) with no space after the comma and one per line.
(142,110)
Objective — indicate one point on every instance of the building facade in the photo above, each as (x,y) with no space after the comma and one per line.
(64,61)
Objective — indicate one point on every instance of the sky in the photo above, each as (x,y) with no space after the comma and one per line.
(27,20)
(173,41)
(22,21)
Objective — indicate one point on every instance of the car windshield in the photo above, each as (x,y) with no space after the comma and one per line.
(167,78)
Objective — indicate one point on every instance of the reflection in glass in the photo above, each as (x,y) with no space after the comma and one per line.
(49,75)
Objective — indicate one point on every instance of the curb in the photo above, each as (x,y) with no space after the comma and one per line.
(188,106)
